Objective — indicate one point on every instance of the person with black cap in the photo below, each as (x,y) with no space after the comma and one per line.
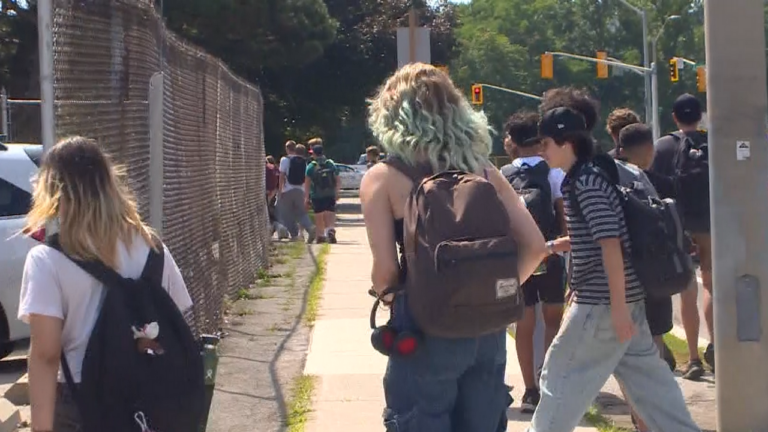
(605,330)
(322,186)
(539,187)
(683,157)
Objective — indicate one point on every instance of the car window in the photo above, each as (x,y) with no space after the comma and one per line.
(35,154)
(363,159)
(13,200)
(344,168)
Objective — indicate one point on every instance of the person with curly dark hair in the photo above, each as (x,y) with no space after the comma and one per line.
(574,98)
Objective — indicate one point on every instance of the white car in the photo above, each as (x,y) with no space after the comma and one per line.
(18,164)
(350,177)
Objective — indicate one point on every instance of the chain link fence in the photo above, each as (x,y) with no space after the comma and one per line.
(214,219)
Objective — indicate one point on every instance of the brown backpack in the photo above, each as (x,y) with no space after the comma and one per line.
(460,254)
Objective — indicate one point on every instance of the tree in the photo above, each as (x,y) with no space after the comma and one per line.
(579,27)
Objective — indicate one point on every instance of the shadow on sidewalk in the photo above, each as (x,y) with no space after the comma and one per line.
(280,394)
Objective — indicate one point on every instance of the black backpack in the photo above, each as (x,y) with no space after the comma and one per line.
(131,383)
(658,251)
(532,184)
(297,170)
(692,180)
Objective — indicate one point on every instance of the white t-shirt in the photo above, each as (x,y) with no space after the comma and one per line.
(285,164)
(54,286)
(556,175)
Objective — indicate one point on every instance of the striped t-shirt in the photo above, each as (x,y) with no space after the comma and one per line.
(600,217)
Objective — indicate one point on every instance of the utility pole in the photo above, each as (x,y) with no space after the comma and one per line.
(647,64)
(412,20)
(737,108)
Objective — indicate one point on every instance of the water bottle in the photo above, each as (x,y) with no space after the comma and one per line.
(210,353)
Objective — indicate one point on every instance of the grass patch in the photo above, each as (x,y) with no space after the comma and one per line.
(300,404)
(601,423)
(316,286)
(679,348)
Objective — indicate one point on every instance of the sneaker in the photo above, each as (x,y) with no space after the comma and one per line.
(709,356)
(332,236)
(694,370)
(320,240)
(669,358)
(530,401)
(282,233)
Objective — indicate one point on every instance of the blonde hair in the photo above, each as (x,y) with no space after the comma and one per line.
(315,142)
(79,185)
(419,113)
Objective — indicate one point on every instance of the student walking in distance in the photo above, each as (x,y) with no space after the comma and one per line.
(445,371)
(272,183)
(291,208)
(605,330)
(634,153)
(64,299)
(321,189)
(683,156)
(531,177)
(617,120)
(372,155)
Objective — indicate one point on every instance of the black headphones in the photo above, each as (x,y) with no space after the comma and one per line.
(387,340)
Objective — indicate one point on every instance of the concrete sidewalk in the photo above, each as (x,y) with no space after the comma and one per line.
(348,394)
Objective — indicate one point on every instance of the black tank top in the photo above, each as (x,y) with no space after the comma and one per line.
(399,239)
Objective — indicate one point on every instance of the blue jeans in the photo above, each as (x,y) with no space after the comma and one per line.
(584,355)
(447,385)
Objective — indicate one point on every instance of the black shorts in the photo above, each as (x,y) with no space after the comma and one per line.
(547,287)
(658,312)
(322,205)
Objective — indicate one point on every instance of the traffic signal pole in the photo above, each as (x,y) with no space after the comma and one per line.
(645,71)
(737,108)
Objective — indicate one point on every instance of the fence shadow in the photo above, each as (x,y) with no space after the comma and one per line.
(280,395)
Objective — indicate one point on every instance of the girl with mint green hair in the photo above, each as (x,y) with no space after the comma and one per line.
(419,117)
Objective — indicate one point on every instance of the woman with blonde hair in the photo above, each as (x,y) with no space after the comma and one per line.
(80,190)
(451,384)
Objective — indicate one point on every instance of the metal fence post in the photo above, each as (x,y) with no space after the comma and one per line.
(47,95)
(156,89)
(4,113)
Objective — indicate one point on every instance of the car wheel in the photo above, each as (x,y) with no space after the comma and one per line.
(6,349)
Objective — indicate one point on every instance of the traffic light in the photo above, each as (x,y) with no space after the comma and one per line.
(701,79)
(602,68)
(547,66)
(674,73)
(477,94)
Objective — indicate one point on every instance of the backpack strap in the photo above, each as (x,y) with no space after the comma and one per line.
(415,173)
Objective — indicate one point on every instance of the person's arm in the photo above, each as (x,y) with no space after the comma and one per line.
(43,368)
(379,224)
(524,229)
(40,305)
(337,178)
(285,163)
(308,184)
(604,226)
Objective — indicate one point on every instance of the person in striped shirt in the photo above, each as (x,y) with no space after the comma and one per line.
(605,330)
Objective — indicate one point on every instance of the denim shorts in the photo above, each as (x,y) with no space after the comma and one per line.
(452,385)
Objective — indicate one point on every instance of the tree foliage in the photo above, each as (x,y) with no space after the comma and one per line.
(317,61)
(501,42)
